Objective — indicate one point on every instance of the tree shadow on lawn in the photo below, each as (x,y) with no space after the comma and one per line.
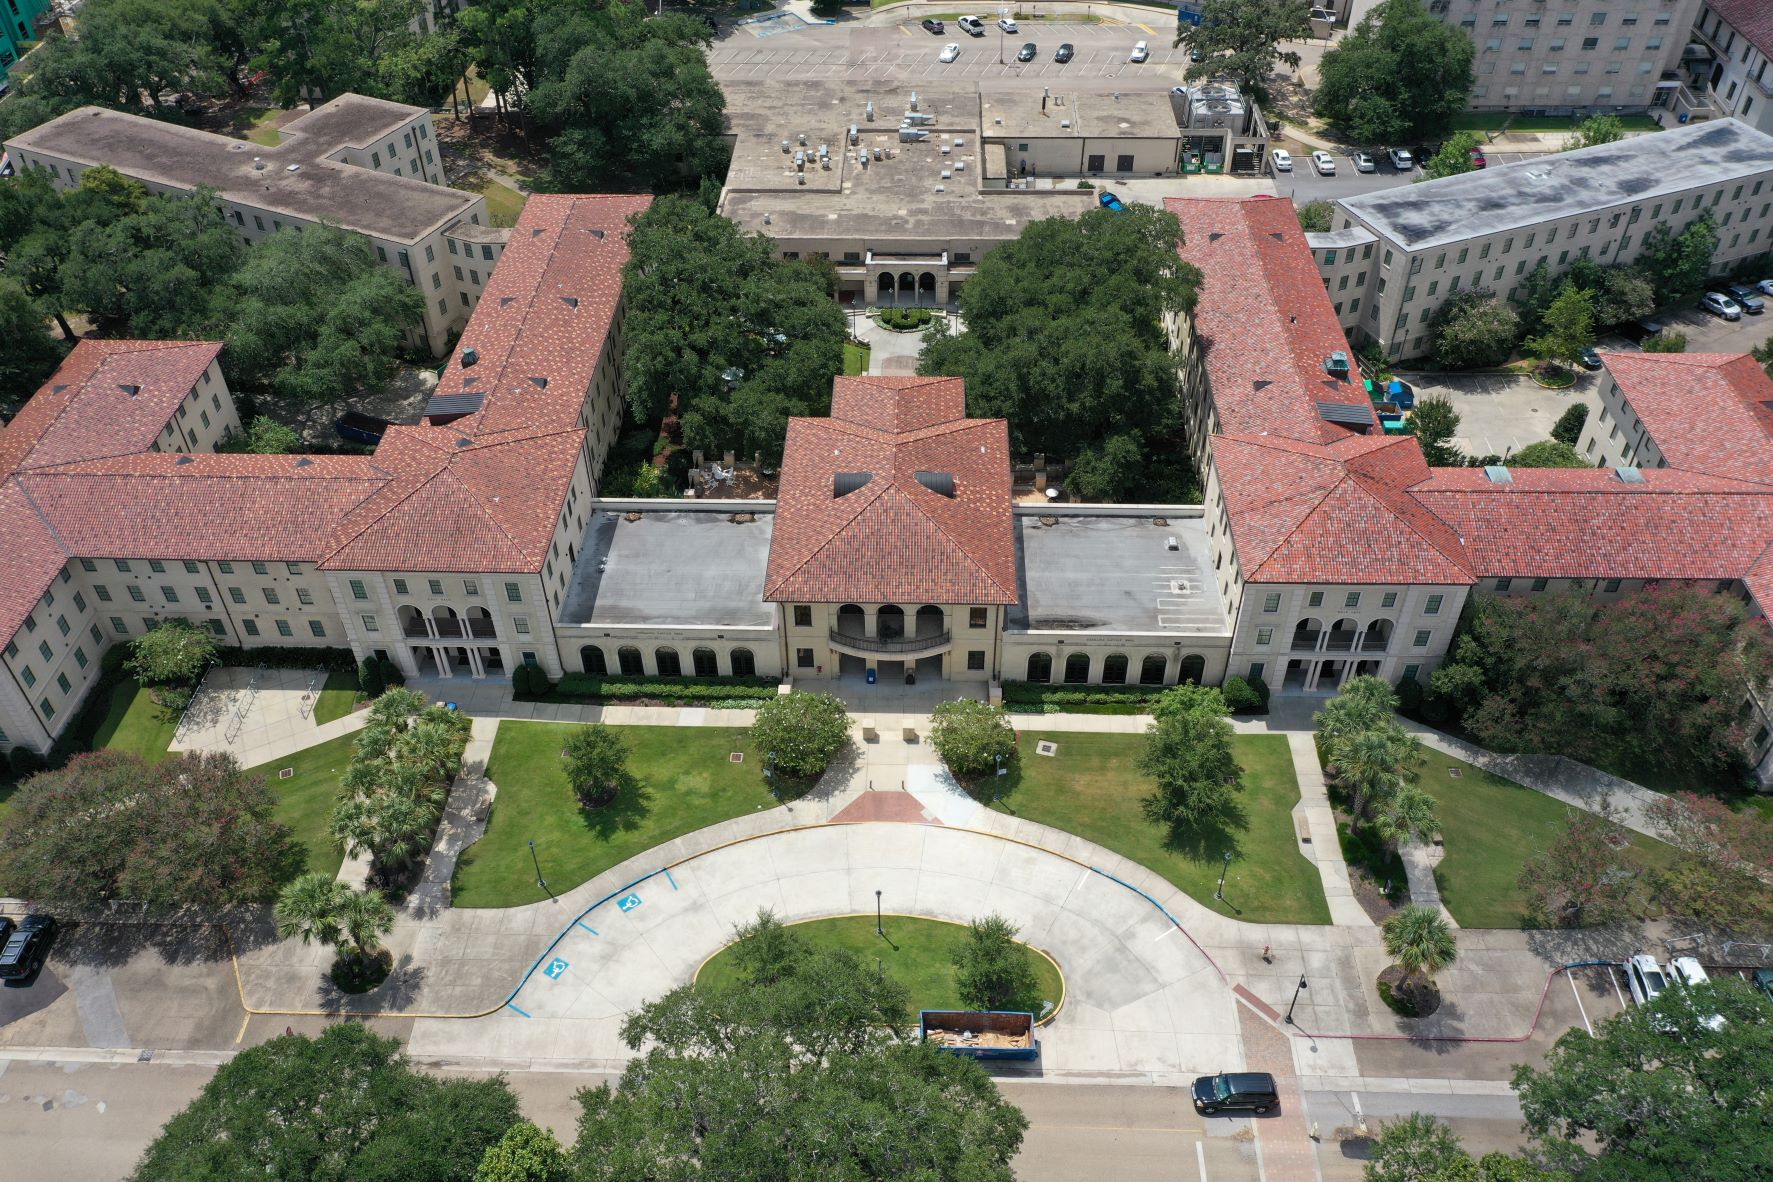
(1208,841)
(626,813)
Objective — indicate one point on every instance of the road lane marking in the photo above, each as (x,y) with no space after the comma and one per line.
(1579,1006)
(1614,978)
(1200,1157)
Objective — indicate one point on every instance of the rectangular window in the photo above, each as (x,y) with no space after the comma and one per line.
(317,628)
(513,592)
(62,625)
(135,593)
(305,596)
(1611,586)
(203,596)
(1271,601)
(803,658)
(471,587)
(283,628)
(29,676)
(1316,599)
(259,568)
(87,564)
(48,653)
(48,708)
(251,627)
(271,596)
(1503,584)
(520,624)
(977,617)
(80,657)
(1412,672)
(1422,637)
(237,595)
(226,568)
(436,586)
(803,616)
(1434,606)
(61,679)
(172,596)
(400,586)
(358,590)
(1352,599)
(1540,584)
(1389,599)
(117,625)
(1264,635)
(976,659)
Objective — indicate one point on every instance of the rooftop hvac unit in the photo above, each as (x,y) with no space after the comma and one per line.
(946,175)
(800,178)
(785,146)
(918,118)
(914,100)
(912,135)
(868,111)
(854,135)
(803,139)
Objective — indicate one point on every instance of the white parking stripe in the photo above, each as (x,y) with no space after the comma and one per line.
(1579,1006)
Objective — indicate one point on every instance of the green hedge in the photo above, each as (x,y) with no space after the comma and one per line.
(905,318)
(1029,693)
(678,689)
(333,660)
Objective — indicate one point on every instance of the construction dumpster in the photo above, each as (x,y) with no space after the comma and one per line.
(981,1034)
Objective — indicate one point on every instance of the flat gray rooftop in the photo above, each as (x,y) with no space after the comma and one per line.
(1568,184)
(376,203)
(1115,574)
(893,198)
(690,566)
(1017,112)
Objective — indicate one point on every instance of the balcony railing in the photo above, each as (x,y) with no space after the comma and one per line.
(433,628)
(897,646)
(1305,642)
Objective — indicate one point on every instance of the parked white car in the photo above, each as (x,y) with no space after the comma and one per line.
(1140,52)
(1324,163)
(1645,978)
(1721,305)
(1766,286)
(1400,160)
(1007,25)
(950,51)
(1688,971)
(1363,162)
(1281,159)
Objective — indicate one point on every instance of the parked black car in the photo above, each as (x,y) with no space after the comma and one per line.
(1064,53)
(26,947)
(1588,357)
(1246,1091)
(1027,52)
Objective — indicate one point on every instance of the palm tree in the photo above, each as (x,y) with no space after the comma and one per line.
(1374,763)
(1420,941)
(1406,814)
(1363,703)
(365,917)
(430,747)
(310,908)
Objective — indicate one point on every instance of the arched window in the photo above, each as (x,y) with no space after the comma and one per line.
(628,657)
(591,660)
(1193,666)
(1114,669)
(1040,667)
(705,664)
(665,658)
(744,664)
(1152,669)
(889,622)
(1077,668)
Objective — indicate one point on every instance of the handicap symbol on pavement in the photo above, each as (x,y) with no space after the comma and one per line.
(555,968)
(628,902)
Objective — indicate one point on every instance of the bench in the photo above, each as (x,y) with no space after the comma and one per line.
(1303,828)
(869,734)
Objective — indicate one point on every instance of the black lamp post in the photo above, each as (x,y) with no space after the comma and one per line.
(878,930)
(540,881)
(1295,1000)
(1220,893)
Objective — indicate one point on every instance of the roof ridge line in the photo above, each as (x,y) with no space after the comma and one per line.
(1321,495)
(1461,561)
(861,505)
(48,523)
(949,537)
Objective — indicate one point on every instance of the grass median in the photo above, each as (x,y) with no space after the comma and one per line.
(1091,788)
(684,781)
(305,800)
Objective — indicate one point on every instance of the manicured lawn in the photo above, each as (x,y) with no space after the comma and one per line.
(919,952)
(337,698)
(1092,789)
(503,203)
(686,782)
(855,359)
(135,722)
(1491,827)
(255,125)
(306,799)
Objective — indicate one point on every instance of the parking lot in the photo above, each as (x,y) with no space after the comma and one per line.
(1707,333)
(1305,184)
(909,52)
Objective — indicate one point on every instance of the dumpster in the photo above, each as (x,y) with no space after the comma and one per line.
(977,1034)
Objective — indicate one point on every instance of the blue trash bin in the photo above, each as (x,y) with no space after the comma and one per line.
(871,676)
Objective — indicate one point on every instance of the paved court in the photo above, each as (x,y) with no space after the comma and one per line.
(1143,1002)
(252,713)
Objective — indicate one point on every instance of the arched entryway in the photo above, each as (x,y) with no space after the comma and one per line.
(705,664)
(1377,637)
(628,658)
(1040,667)
(1342,636)
(412,620)
(480,623)
(1306,633)
(1077,668)
(926,288)
(591,660)
(665,660)
(1193,667)
(852,620)
(889,622)
(1152,669)
(447,623)
(907,288)
(884,287)
(930,620)
(1114,669)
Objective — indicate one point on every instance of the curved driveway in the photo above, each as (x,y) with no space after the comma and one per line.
(1141,998)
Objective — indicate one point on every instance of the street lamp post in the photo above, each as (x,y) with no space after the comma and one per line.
(1295,1000)
(1000,45)
(1220,893)
(878,930)
(540,881)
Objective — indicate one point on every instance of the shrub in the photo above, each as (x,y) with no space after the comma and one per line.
(800,733)
(1473,330)
(531,681)
(1666,341)
(992,971)
(1436,709)
(1314,217)
(1568,428)
(686,689)
(333,660)
(1409,695)
(596,763)
(391,674)
(972,736)
(174,654)
(905,318)
(1262,690)
(1241,697)
(369,677)
(1029,693)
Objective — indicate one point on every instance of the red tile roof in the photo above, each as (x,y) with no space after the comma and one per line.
(545,314)
(1751,18)
(1711,412)
(1265,322)
(1582,523)
(456,503)
(1340,513)
(892,539)
(107,398)
(200,506)
(30,559)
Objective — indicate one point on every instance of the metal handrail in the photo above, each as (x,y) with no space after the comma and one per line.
(903,645)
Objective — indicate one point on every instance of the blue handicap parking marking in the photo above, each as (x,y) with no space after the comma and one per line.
(628,902)
(555,967)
